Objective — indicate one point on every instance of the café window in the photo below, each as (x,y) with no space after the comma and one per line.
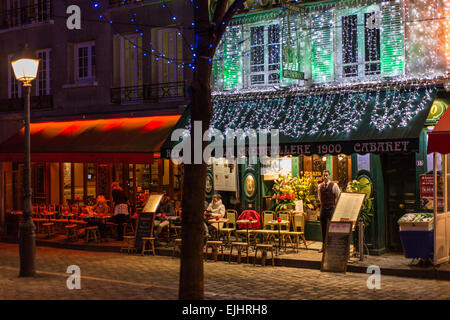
(14,86)
(67,181)
(359,45)
(91,183)
(85,61)
(43,76)
(264,57)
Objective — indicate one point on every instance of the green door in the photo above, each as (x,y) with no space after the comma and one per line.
(399,174)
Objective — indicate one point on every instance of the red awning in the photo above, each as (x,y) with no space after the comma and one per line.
(439,138)
(133,140)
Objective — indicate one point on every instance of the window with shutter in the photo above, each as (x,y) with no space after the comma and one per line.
(322,46)
(358,42)
(392,39)
(264,53)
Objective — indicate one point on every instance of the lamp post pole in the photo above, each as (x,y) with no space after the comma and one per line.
(27,228)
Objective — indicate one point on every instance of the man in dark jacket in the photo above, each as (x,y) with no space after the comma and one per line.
(328,193)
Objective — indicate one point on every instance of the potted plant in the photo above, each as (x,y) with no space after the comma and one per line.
(283,194)
(367,210)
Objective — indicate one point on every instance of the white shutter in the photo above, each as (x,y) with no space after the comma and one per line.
(322,46)
(392,40)
(232,64)
(290,57)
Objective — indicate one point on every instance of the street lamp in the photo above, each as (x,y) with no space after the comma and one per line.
(25,68)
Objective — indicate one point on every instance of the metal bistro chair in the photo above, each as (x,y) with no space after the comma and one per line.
(299,231)
(35,211)
(284,234)
(288,214)
(41,209)
(74,209)
(230,226)
(267,231)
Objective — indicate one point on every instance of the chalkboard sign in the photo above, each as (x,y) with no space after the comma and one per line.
(337,247)
(144,228)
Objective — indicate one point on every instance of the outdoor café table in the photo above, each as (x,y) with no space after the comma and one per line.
(67,216)
(247,222)
(48,215)
(274,222)
(219,222)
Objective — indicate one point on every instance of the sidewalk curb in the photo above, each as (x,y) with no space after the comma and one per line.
(432,274)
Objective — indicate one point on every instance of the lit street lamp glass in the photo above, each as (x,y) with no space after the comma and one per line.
(25,70)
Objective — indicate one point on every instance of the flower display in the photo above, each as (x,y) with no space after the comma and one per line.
(283,193)
(289,189)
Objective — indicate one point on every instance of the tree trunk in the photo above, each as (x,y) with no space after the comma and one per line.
(194,185)
(207,38)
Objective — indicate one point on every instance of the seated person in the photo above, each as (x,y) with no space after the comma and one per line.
(101,206)
(165,207)
(214,209)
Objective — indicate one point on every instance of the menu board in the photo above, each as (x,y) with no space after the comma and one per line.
(337,247)
(152,203)
(348,207)
(144,228)
(224,171)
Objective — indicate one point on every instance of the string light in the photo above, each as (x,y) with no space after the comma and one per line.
(375,40)
(326,115)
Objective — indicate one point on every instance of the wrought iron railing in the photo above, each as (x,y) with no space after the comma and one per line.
(149,92)
(42,11)
(17,105)
(119,3)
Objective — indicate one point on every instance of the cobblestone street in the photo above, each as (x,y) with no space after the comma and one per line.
(121,276)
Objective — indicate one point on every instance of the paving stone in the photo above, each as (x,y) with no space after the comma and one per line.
(109,275)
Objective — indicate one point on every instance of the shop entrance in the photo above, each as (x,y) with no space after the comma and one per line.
(399,173)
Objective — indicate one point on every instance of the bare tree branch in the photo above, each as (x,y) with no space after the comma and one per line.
(237,4)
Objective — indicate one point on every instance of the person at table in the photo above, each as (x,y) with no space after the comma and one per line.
(101,205)
(120,205)
(165,207)
(214,209)
(328,193)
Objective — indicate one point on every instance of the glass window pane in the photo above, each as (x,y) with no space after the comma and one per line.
(78,182)
(67,182)
(350,45)
(91,183)
(372,44)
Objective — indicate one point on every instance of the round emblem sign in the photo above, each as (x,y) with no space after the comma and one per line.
(249,185)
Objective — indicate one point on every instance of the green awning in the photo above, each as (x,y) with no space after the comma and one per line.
(344,122)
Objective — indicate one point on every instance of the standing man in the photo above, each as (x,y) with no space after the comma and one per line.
(328,194)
